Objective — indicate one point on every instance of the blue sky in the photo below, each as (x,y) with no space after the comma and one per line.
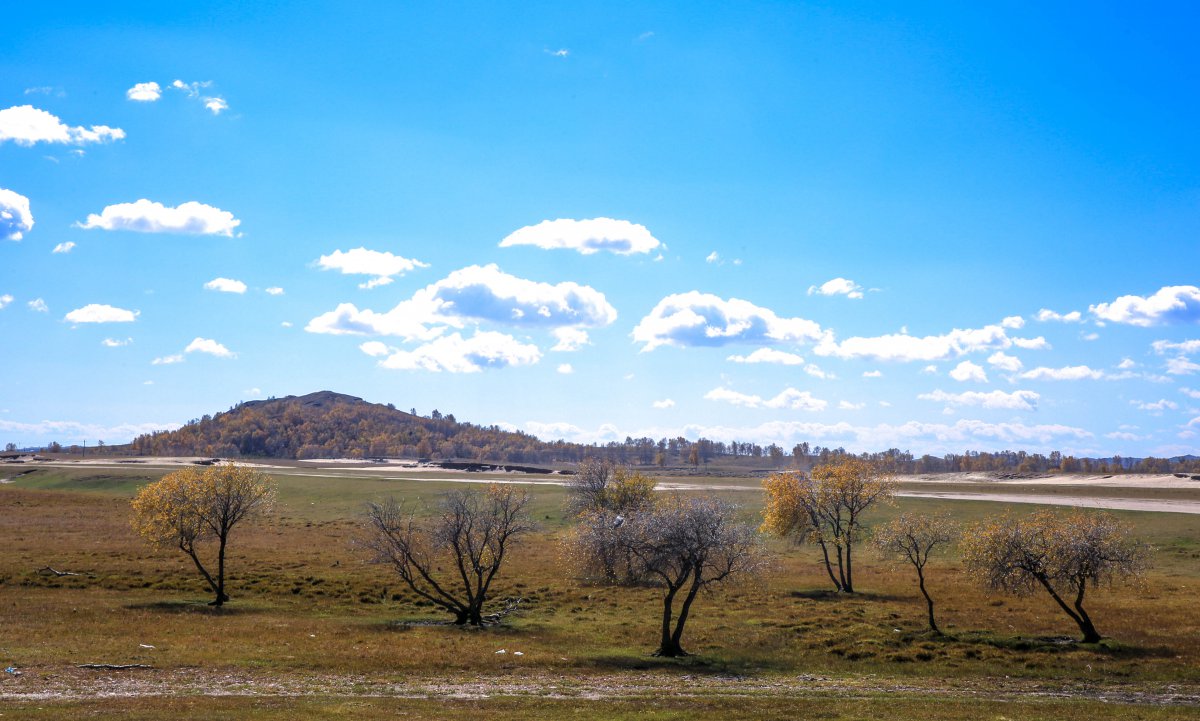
(934,227)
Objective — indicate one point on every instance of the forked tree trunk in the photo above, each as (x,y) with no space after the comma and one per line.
(669,646)
(829,566)
(1078,615)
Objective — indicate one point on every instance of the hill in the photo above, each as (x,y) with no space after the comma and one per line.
(327,424)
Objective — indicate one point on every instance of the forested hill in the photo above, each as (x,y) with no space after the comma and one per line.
(327,424)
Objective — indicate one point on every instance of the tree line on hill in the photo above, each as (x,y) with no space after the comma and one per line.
(331,425)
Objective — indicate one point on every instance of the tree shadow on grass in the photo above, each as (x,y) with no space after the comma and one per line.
(1057,644)
(698,663)
(826,594)
(194,607)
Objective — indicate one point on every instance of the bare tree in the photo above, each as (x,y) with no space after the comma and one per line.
(603,496)
(826,508)
(603,486)
(688,545)
(471,534)
(1061,553)
(913,538)
(190,506)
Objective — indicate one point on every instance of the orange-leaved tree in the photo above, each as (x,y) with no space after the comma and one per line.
(826,508)
(190,506)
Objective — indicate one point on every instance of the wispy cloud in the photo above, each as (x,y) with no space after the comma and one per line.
(789,398)
(1017,400)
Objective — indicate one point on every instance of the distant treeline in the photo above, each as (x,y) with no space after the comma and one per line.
(329,425)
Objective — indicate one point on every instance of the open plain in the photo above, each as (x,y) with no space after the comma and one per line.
(313,630)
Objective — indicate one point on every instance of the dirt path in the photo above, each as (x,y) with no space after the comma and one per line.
(69,684)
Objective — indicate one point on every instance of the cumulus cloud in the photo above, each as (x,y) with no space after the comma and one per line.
(455,354)
(1163,347)
(384,266)
(1189,392)
(701,319)
(1005,362)
(209,346)
(15,218)
(195,90)
(585,236)
(409,320)
(27,125)
(1017,400)
(274,291)
(837,286)
(5,300)
(375,348)
(1014,322)
(815,371)
(664,403)
(66,247)
(848,406)
(968,371)
(1069,373)
(100,313)
(565,369)
(769,355)
(1156,407)
(904,347)
(486,293)
(38,305)
(144,92)
(225,285)
(789,398)
(144,216)
(1170,305)
(1045,315)
(1126,364)
(1038,343)
(570,339)
(1181,366)
(216,105)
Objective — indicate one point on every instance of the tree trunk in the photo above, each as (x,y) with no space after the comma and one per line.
(221,597)
(1090,634)
(677,635)
(668,646)
(848,585)
(929,601)
(829,566)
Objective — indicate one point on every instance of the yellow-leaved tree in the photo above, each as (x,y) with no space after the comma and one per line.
(189,507)
(826,508)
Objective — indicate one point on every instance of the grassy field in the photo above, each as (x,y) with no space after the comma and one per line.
(314,631)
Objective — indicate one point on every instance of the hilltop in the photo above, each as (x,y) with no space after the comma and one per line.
(327,424)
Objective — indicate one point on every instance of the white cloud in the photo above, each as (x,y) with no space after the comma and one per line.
(1005,362)
(407,320)
(1038,343)
(1045,315)
(144,216)
(1189,392)
(585,236)
(1017,400)
(837,286)
(701,319)
(115,342)
(713,257)
(560,53)
(1124,436)
(1155,407)
(167,360)
(454,354)
(930,369)
(1162,347)
(872,374)
(1171,304)
(768,355)
(27,125)
(375,348)
(1069,373)
(100,313)
(815,371)
(209,346)
(286,324)
(570,339)
(788,398)
(225,285)
(39,305)
(968,371)
(144,92)
(848,406)
(664,403)
(68,432)
(274,291)
(1089,336)
(487,293)
(216,105)
(66,247)
(360,261)
(1014,322)
(1181,366)
(5,300)
(904,347)
(565,369)
(1126,364)
(15,218)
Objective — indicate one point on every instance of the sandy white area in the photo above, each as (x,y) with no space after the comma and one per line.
(1126,480)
